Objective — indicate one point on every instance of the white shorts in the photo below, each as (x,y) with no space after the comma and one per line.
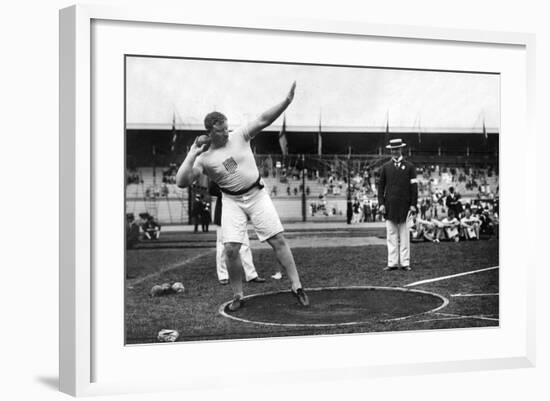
(256,205)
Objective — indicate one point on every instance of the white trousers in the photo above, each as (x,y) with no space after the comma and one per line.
(246,257)
(398,240)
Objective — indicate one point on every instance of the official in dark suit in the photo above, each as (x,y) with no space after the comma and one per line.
(397,196)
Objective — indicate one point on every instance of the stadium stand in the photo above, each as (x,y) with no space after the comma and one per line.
(466,161)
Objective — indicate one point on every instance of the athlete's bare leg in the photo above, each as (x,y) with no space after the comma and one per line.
(286,259)
(234,267)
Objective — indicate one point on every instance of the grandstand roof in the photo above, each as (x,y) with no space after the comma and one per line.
(330,129)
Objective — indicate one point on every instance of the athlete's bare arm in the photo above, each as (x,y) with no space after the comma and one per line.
(187,173)
(267,117)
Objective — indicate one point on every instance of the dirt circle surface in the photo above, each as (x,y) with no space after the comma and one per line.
(336,306)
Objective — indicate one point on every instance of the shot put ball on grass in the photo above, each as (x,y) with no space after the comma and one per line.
(156,291)
(178,287)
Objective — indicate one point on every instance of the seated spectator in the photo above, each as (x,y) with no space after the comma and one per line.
(132,231)
(495,221)
(487,225)
(151,228)
(415,229)
(470,225)
(428,228)
(451,226)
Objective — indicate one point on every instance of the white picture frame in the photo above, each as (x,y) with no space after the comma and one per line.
(78,343)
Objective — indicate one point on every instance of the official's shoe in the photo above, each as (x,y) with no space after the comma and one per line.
(257,279)
(277,276)
(301,296)
(387,268)
(224,281)
(237,303)
(407,268)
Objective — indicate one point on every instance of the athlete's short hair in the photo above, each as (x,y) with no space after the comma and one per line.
(212,119)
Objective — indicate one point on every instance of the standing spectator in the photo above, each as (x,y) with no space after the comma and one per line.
(366,211)
(374,211)
(453,202)
(205,216)
(269,165)
(196,212)
(356,211)
(397,196)
(424,205)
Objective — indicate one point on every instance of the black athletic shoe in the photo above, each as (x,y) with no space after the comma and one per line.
(301,296)
(237,303)
(407,268)
(257,280)
(224,281)
(387,268)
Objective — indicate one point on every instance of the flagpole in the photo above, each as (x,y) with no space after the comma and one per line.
(319,138)
(303,187)
(349,211)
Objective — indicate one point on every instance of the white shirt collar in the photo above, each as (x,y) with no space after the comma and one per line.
(399,160)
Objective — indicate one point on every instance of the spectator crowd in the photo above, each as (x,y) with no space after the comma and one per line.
(446,217)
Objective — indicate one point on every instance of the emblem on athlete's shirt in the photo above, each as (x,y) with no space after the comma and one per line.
(230,165)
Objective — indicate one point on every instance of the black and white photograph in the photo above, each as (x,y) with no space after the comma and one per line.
(291,200)
(269,199)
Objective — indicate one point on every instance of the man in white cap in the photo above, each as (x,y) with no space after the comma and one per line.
(397,197)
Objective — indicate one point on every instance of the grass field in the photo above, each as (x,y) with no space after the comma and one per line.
(336,257)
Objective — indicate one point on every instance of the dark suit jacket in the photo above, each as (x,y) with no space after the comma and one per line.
(453,203)
(396,191)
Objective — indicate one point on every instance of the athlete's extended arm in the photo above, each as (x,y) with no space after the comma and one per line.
(267,117)
(187,173)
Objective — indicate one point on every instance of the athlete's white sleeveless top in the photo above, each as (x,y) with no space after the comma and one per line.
(232,167)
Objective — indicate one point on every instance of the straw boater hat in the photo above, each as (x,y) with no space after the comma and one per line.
(396,143)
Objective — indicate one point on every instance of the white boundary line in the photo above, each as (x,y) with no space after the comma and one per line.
(132,282)
(476,295)
(469,316)
(445,302)
(445,318)
(451,276)
(438,320)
